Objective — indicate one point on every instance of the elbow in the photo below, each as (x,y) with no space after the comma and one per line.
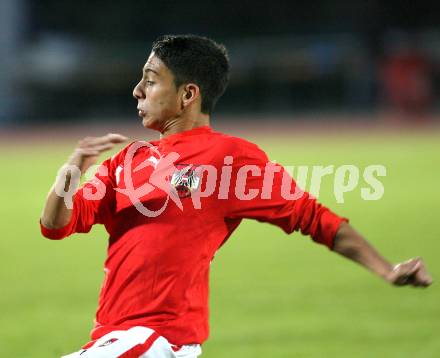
(345,248)
(53,232)
(347,242)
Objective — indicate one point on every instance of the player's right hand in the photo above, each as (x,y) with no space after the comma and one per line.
(412,272)
(88,149)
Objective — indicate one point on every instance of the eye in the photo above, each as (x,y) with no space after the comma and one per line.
(150,83)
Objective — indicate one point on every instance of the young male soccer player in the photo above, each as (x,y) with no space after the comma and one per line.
(168,206)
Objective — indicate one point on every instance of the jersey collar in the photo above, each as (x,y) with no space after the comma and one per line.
(190,132)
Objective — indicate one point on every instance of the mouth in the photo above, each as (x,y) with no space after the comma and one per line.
(141,113)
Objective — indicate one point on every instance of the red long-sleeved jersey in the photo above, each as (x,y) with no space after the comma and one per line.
(159,252)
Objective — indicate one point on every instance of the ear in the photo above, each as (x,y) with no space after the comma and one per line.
(190,94)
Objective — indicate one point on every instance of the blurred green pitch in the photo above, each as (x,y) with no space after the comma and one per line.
(272,295)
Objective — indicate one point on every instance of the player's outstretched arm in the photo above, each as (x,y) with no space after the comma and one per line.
(349,243)
(55,213)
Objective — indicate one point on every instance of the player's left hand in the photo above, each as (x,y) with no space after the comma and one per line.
(412,272)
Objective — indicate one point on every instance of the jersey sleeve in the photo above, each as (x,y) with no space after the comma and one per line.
(279,200)
(93,203)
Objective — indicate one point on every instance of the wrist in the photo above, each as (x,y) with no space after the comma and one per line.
(77,160)
(386,271)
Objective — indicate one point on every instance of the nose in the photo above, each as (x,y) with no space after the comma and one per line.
(137,91)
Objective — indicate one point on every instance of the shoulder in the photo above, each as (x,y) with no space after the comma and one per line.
(240,147)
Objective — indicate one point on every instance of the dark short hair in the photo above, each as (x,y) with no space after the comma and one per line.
(196,59)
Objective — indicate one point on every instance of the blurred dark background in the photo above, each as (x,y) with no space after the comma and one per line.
(79,60)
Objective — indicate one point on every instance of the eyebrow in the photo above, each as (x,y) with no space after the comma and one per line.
(151,70)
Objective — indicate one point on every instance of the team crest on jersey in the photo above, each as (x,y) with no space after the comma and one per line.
(186,179)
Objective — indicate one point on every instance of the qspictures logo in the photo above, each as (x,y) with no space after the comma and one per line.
(183,181)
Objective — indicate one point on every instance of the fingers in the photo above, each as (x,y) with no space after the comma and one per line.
(108,138)
(116,138)
(422,277)
(88,149)
(411,272)
(91,146)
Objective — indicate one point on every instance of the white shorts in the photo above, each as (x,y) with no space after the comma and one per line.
(136,342)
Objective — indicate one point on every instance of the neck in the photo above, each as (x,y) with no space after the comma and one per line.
(180,124)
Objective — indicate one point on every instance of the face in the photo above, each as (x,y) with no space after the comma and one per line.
(157,95)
